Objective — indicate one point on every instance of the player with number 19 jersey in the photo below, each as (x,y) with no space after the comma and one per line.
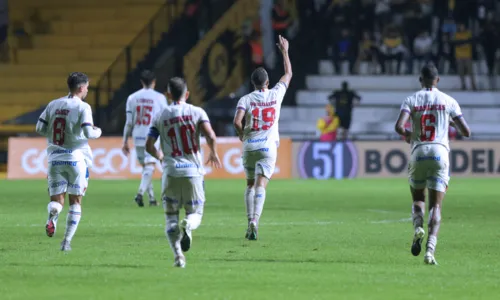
(262,109)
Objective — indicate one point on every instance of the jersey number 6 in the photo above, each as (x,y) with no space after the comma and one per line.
(268,115)
(428,129)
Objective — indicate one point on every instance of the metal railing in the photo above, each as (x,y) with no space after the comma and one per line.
(133,53)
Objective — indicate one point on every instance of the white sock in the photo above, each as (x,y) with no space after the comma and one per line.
(151,192)
(72,220)
(260,198)
(147,176)
(194,220)
(249,202)
(173,233)
(431,243)
(54,206)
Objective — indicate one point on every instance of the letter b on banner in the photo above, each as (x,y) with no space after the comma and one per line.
(324,160)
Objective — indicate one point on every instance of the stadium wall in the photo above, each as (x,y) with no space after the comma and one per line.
(310,159)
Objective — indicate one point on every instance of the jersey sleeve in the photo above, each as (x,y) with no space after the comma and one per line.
(242,104)
(44,117)
(406,106)
(202,116)
(86,117)
(454,109)
(280,90)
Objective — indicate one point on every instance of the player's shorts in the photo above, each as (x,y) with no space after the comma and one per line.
(143,156)
(260,162)
(70,177)
(187,192)
(429,168)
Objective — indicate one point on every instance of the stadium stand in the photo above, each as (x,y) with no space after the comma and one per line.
(50,38)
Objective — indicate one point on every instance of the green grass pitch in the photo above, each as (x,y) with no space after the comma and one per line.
(318,240)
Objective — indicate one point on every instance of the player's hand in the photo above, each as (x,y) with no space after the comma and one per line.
(125,149)
(214,161)
(282,44)
(408,139)
(160,155)
(240,136)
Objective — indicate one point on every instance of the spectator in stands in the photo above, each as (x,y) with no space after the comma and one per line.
(367,53)
(490,42)
(345,49)
(422,49)
(463,42)
(446,53)
(392,48)
(382,13)
(281,19)
(327,126)
(344,101)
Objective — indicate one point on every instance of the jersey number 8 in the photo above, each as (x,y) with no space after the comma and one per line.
(268,115)
(428,128)
(59,126)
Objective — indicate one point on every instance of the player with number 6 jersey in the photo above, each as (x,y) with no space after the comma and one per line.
(179,127)
(142,106)
(431,112)
(68,125)
(261,111)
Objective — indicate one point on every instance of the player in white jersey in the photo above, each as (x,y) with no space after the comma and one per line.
(142,106)
(261,111)
(179,127)
(68,125)
(431,112)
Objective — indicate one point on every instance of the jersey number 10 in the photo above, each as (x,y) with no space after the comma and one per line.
(143,116)
(188,140)
(268,115)
(428,128)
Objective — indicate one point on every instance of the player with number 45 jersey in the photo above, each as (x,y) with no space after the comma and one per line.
(142,106)
(67,124)
(431,112)
(260,110)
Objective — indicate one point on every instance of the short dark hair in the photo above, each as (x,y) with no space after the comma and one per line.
(176,87)
(259,77)
(429,73)
(147,77)
(76,80)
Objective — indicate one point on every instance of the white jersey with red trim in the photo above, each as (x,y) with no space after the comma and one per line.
(178,127)
(143,105)
(431,112)
(262,112)
(65,118)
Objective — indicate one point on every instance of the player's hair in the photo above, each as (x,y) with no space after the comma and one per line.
(429,74)
(176,87)
(76,80)
(147,77)
(259,77)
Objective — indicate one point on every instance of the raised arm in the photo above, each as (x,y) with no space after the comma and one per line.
(283,46)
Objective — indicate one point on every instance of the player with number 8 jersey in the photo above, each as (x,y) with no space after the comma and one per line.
(260,111)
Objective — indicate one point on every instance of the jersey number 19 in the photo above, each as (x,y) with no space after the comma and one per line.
(268,115)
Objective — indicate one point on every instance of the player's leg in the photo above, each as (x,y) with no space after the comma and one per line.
(77,186)
(171,203)
(148,167)
(193,194)
(57,184)
(264,169)
(417,174)
(249,166)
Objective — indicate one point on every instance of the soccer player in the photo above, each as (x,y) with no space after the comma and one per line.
(67,123)
(142,106)
(431,112)
(260,137)
(179,126)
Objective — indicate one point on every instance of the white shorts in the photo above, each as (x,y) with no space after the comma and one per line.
(70,177)
(143,156)
(429,168)
(260,162)
(187,192)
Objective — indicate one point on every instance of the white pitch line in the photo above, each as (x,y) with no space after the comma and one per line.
(381,211)
(316,223)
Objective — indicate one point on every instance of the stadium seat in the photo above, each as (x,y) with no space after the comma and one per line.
(62,37)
